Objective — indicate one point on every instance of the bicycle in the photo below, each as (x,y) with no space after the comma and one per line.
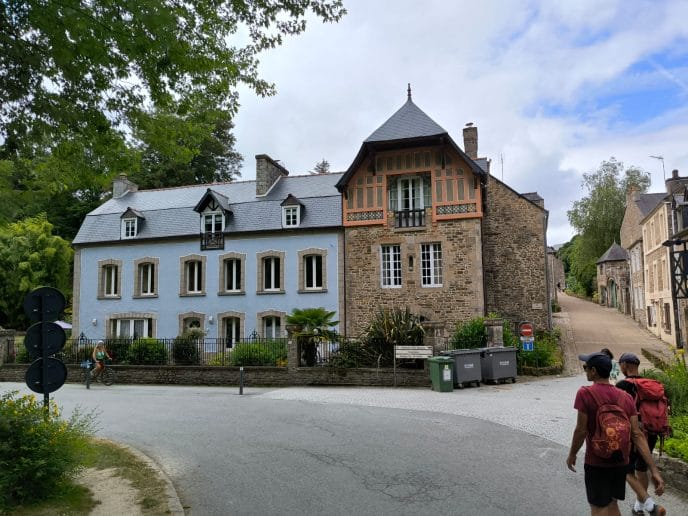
(106,376)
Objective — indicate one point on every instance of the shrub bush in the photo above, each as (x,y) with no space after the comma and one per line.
(259,353)
(470,335)
(546,351)
(147,352)
(22,356)
(677,444)
(185,350)
(388,328)
(39,451)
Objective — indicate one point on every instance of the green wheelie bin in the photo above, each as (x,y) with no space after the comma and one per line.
(441,373)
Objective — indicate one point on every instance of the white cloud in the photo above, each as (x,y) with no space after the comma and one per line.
(532,75)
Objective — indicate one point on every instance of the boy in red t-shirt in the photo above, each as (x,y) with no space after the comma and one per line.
(605,479)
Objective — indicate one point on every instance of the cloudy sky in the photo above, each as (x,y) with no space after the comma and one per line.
(554,87)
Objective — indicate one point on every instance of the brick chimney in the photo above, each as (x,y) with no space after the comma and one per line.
(121,186)
(632,194)
(268,171)
(470,140)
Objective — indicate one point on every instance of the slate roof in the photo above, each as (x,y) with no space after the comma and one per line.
(409,126)
(649,201)
(533,196)
(615,253)
(408,122)
(169,212)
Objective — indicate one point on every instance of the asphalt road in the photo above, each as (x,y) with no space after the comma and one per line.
(493,450)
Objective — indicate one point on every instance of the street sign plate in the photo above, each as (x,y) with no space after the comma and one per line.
(54,341)
(56,377)
(528,346)
(44,304)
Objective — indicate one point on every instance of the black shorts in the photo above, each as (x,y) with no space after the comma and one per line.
(604,485)
(637,463)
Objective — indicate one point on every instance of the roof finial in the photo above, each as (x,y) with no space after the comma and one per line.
(409,91)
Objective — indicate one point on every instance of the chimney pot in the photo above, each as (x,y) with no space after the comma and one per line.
(674,173)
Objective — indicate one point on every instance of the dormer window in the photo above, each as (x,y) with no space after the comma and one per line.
(130,223)
(213,209)
(291,212)
(290,216)
(129,228)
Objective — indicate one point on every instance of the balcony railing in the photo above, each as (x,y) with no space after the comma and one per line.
(409,218)
(212,241)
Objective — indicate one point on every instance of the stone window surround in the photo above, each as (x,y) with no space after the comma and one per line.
(259,261)
(183,260)
(260,324)
(221,319)
(137,276)
(131,315)
(302,269)
(101,278)
(221,262)
(190,315)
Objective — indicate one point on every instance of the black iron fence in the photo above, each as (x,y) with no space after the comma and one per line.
(178,351)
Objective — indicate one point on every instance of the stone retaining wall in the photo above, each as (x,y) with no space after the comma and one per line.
(282,376)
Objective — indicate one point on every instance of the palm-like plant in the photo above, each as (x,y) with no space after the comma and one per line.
(315,326)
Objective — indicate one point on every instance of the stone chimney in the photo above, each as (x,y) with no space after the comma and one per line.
(121,186)
(676,183)
(632,194)
(267,172)
(470,140)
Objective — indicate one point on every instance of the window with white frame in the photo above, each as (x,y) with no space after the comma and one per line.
(232,270)
(290,216)
(272,327)
(409,193)
(232,331)
(391,265)
(313,272)
(212,222)
(129,227)
(192,275)
(111,280)
(131,328)
(271,273)
(146,280)
(431,265)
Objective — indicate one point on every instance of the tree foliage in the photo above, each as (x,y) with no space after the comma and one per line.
(146,87)
(321,167)
(30,257)
(597,217)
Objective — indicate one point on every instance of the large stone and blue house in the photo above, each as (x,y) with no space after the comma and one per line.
(230,258)
(415,221)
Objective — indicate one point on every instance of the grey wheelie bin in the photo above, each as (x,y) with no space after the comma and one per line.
(467,366)
(498,363)
(441,373)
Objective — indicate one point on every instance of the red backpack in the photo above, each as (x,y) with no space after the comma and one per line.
(653,405)
(612,437)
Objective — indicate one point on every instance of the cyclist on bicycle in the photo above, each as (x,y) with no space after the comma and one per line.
(99,356)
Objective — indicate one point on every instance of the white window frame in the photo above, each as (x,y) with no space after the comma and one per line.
(145,325)
(194,276)
(232,330)
(216,219)
(233,272)
(130,227)
(147,278)
(271,274)
(111,280)
(316,263)
(390,266)
(270,329)
(291,216)
(431,265)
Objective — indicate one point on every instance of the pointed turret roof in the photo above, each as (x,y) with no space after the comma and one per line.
(408,122)
(615,253)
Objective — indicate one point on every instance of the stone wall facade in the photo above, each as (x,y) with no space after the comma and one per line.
(514,257)
(612,285)
(460,297)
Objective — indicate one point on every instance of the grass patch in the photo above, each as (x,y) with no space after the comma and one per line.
(76,500)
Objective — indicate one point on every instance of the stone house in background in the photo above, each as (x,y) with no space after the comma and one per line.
(426,226)
(612,279)
(638,206)
(557,278)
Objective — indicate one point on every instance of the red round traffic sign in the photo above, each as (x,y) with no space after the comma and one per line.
(525,329)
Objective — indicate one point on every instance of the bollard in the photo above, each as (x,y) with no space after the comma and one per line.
(241,380)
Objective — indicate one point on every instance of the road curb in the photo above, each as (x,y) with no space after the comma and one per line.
(174,505)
